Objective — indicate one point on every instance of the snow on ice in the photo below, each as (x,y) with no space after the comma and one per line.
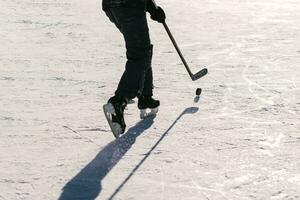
(61,60)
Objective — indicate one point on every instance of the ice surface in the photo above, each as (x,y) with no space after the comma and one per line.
(61,60)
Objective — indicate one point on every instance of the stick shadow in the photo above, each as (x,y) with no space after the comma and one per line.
(190,110)
(86,185)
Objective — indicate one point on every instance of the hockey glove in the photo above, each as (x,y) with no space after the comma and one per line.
(157,13)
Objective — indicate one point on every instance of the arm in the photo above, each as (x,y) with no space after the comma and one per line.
(150,6)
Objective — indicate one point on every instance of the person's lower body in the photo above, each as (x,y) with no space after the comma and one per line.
(137,79)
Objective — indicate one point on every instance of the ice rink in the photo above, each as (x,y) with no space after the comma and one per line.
(60,61)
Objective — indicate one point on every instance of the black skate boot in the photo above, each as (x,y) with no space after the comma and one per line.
(114,113)
(147,103)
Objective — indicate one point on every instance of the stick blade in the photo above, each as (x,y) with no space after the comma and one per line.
(199,74)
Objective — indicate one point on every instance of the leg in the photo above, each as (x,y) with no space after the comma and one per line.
(146,102)
(148,84)
(133,25)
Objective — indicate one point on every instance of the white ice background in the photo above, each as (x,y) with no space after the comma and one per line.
(61,60)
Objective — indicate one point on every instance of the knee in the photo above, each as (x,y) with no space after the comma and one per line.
(141,53)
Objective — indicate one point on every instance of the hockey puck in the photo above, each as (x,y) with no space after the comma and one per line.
(198,91)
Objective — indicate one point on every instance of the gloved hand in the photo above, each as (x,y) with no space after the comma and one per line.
(157,13)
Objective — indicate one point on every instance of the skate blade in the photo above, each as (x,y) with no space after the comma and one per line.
(116,128)
(144,113)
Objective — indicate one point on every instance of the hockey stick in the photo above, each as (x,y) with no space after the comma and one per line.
(194,77)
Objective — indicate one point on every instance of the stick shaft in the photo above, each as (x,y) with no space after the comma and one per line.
(178,50)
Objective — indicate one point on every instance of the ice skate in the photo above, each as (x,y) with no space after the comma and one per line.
(148,106)
(114,113)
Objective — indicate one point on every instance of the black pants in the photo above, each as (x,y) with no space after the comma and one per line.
(137,78)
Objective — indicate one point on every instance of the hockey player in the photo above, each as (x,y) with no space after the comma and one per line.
(129,16)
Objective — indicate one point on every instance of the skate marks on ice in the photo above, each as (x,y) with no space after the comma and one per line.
(87,183)
(190,110)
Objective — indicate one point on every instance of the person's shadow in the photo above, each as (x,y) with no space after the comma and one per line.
(86,185)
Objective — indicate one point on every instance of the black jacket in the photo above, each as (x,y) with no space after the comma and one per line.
(143,4)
